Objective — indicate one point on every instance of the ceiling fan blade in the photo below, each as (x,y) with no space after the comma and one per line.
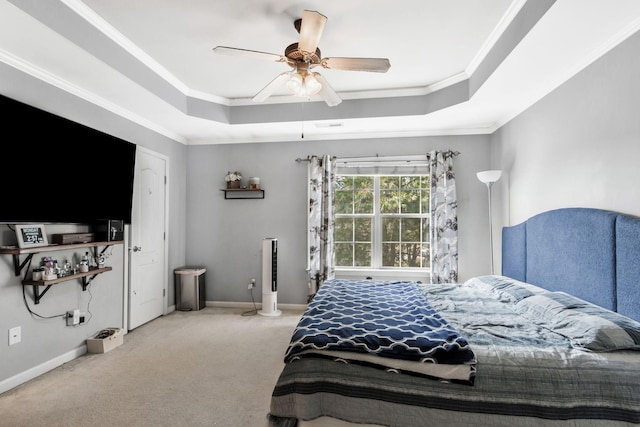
(327,93)
(311,29)
(233,51)
(378,65)
(274,85)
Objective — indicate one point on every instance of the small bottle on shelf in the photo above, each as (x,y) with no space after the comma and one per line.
(84,263)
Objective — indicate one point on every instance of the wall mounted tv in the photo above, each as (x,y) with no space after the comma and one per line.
(55,170)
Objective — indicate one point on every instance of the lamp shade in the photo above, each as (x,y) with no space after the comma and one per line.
(304,84)
(312,85)
(295,84)
(489,177)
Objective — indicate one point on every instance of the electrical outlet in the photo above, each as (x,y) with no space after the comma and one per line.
(83,317)
(73,317)
(252,284)
(15,335)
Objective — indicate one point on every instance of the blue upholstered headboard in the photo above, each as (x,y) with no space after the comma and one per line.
(593,254)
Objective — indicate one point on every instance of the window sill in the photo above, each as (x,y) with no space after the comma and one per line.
(382,274)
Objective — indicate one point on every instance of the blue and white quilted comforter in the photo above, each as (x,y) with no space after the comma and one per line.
(389,325)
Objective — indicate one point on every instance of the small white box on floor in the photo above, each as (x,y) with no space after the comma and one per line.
(106,340)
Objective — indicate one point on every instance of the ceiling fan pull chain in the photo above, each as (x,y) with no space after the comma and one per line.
(302,124)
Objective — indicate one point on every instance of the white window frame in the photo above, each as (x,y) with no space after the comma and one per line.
(377,271)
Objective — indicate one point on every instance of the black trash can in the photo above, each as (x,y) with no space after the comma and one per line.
(190,288)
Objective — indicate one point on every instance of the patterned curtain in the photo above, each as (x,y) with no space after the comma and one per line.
(443,213)
(321,222)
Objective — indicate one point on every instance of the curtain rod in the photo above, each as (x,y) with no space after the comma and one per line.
(398,159)
(378,157)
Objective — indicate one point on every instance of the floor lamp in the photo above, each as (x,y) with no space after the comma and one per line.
(489,177)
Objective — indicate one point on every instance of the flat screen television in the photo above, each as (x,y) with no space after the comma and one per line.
(55,170)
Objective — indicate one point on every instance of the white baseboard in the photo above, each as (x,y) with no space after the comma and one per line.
(36,371)
(248,305)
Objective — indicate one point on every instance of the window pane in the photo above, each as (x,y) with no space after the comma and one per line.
(410,201)
(362,255)
(389,201)
(344,182)
(390,255)
(425,230)
(363,194)
(411,255)
(425,201)
(411,230)
(344,229)
(344,202)
(389,182)
(362,229)
(390,229)
(410,182)
(426,256)
(344,254)
(363,202)
(363,182)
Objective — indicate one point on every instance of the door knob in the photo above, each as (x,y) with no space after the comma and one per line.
(136,248)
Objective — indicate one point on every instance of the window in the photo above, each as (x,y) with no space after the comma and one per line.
(382,221)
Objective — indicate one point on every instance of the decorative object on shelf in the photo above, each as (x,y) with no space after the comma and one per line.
(254,183)
(489,178)
(84,263)
(47,281)
(233,179)
(50,265)
(38,273)
(31,236)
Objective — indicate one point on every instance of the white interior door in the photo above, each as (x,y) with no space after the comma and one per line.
(147,251)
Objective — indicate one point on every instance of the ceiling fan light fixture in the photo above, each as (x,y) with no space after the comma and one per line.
(295,84)
(303,84)
(312,85)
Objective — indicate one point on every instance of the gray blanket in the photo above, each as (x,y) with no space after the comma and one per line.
(525,374)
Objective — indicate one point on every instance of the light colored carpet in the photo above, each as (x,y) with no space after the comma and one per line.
(213,367)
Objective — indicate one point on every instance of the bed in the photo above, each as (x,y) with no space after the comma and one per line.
(552,341)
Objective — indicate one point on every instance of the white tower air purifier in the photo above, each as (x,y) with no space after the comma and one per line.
(270,277)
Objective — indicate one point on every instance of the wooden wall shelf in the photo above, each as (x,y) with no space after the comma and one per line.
(242,193)
(85,277)
(14,250)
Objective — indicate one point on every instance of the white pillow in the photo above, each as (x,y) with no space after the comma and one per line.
(588,326)
(505,288)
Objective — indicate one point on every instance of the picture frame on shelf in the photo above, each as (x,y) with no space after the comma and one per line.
(31,235)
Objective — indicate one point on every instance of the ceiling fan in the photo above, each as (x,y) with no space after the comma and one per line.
(302,57)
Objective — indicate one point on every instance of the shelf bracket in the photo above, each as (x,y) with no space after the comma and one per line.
(95,251)
(86,282)
(37,295)
(17,267)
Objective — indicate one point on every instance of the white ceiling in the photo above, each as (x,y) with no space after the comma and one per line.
(457,66)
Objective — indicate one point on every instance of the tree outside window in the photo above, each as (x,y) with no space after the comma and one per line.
(382,221)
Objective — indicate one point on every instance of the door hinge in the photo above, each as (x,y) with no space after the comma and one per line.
(164,292)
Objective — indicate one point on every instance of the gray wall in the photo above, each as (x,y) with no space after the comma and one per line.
(577,147)
(225,235)
(49,342)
